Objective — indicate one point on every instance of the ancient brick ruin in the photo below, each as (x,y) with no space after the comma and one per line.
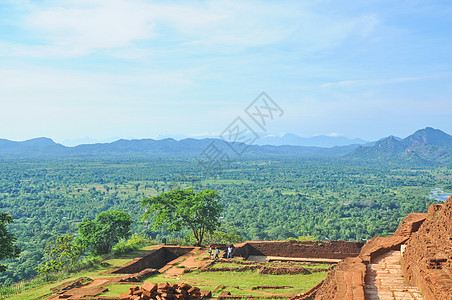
(163,291)
(427,259)
(155,259)
(421,249)
(335,250)
(413,263)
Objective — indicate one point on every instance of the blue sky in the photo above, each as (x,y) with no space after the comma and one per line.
(134,68)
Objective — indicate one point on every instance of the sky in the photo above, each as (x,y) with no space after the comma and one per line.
(71,69)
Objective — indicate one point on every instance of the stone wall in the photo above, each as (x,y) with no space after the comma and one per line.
(379,245)
(155,259)
(347,280)
(296,249)
(427,259)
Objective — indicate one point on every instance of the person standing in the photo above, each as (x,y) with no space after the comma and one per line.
(210,252)
(229,252)
(217,253)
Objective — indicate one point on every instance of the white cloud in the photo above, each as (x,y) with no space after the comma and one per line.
(80,27)
(373,82)
(334,134)
(84,26)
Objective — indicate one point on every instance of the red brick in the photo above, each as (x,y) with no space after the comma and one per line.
(150,287)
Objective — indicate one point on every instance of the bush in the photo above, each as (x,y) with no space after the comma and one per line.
(304,238)
(135,242)
(87,263)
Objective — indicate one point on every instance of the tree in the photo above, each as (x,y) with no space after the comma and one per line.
(225,234)
(7,247)
(62,252)
(198,211)
(106,230)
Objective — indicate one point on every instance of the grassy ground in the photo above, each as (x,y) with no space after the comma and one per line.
(231,264)
(247,280)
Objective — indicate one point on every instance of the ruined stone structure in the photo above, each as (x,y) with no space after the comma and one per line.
(155,259)
(414,263)
(163,291)
(297,249)
(427,260)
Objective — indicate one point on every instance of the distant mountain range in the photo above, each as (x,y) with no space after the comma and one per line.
(288,139)
(315,141)
(45,147)
(424,145)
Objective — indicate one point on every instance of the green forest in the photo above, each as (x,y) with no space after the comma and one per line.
(263,199)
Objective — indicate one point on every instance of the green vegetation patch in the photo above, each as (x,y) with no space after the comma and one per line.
(248,279)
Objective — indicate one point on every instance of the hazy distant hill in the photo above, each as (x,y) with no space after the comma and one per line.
(37,146)
(315,141)
(426,144)
(46,148)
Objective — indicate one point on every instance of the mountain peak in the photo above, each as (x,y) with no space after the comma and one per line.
(427,144)
(431,136)
(40,141)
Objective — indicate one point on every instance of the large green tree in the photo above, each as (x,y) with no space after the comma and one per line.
(198,211)
(62,252)
(7,247)
(106,230)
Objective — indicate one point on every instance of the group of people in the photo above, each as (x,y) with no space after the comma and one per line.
(217,251)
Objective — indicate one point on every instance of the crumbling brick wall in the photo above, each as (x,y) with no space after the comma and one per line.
(319,249)
(427,259)
(347,280)
(155,259)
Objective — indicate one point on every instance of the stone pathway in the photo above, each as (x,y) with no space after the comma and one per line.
(384,280)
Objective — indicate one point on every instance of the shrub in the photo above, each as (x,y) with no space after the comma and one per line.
(135,242)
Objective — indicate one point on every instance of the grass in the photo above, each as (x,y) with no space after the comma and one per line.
(247,280)
(238,283)
(39,292)
(231,265)
(271,264)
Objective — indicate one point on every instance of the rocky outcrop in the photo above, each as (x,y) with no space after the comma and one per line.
(427,259)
